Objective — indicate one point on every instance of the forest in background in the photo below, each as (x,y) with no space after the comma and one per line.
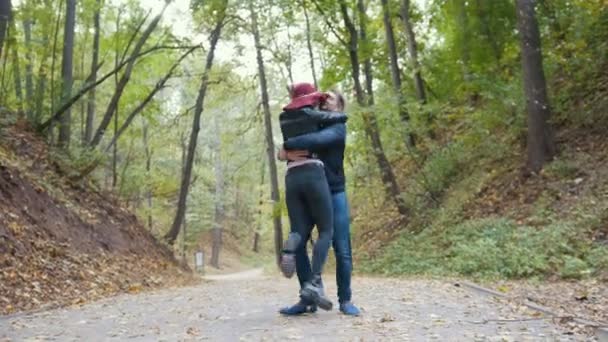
(476,127)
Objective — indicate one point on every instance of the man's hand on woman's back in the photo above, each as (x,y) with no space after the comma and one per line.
(293,155)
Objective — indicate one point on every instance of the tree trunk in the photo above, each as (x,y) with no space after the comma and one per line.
(463,23)
(270,149)
(105,122)
(29,69)
(256,234)
(371,126)
(256,242)
(41,81)
(40,90)
(540,143)
(412,47)
(219,197)
(148,153)
(5,18)
(83,103)
(198,111)
(395,72)
(309,45)
(66,71)
(16,66)
(116,62)
(53,61)
(484,18)
(123,173)
(88,130)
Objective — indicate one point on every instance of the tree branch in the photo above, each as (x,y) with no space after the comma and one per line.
(329,24)
(159,85)
(88,86)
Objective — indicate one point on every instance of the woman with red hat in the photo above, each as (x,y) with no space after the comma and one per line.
(307,192)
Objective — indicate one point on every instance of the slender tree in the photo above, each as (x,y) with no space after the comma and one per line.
(67,70)
(42,79)
(311,54)
(122,83)
(88,135)
(16,66)
(5,18)
(117,107)
(256,233)
(366,100)
(270,148)
(462,18)
(29,68)
(540,144)
(484,18)
(218,221)
(54,58)
(148,154)
(395,71)
(198,111)
(412,47)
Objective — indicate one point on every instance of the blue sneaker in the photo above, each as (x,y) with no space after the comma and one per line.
(297,309)
(349,309)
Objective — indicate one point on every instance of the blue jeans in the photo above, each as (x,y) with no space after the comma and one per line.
(342,250)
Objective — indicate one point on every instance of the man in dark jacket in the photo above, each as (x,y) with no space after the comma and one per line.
(329,145)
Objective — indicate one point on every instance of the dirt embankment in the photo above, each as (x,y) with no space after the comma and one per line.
(62,242)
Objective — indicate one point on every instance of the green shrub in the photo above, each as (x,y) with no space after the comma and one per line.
(562,168)
(494,248)
(442,168)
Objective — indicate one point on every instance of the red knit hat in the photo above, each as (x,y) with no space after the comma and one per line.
(304,94)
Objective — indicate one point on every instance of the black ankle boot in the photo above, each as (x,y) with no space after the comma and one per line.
(288,258)
(313,292)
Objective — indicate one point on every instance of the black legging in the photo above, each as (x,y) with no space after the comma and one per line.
(308,203)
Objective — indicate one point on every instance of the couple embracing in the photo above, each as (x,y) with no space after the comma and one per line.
(314,134)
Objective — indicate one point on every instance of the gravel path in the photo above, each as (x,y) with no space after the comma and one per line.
(243,307)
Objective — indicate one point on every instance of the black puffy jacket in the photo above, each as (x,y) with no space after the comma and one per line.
(307,120)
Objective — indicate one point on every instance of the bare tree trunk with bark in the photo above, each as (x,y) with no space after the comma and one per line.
(412,47)
(540,144)
(88,130)
(465,55)
(309,45)
(67,80)
(53,62)
(29,68)
(219,197)
(198,111)
(270,149)
(5,18)
(116,84)
(395,72)
(484,18)
(16,66)
(148,153)
(256,234)
(40,90)
(371,125)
